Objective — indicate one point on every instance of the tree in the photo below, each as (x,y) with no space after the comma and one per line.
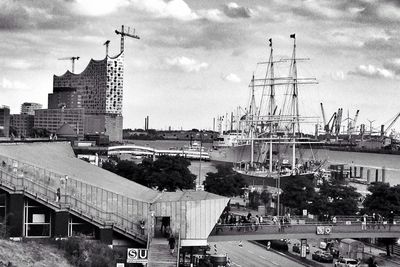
(224,182)
(166,173)
(298,194)
(383,200)
(266,198)
(336,197)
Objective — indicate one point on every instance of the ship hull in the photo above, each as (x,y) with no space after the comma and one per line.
(235,154)
(272,181)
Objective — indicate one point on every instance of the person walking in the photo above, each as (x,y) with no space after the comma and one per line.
(58,195)
(171,242)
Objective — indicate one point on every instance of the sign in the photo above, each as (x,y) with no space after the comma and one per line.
(38,218)
(324,230)
(137,255)
(305,212)
(303,248)
(120,264)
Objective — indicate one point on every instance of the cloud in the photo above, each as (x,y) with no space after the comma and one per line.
(177,9)
(393,65)
(15,63)
(233,10)
(185,64)
(371,71)
(38,14)
(231,77)
(338,76)
(9,85)
(98,8)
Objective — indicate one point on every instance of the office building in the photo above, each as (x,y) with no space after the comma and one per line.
(4,121)
(22,124)
(29,108)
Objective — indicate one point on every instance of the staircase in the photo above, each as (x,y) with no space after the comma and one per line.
(159,254)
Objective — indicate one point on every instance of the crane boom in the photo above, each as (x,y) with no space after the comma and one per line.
(391,124)
(72,60)
(323,115)
(123,34)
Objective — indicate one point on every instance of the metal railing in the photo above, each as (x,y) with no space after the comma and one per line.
(101,205)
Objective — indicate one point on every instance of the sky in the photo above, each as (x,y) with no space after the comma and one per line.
(195,59)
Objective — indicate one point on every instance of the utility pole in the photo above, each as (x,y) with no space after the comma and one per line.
(124,33)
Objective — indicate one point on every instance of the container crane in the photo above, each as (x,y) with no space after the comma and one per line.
(72,60)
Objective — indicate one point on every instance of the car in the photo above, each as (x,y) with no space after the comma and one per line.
(296,248)
(346,262)
(322,256)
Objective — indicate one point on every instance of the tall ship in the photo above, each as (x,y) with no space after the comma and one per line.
(268,131)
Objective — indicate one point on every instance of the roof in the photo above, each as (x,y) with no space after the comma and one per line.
(66,130)
(59,157)
(187,195)
(350,241)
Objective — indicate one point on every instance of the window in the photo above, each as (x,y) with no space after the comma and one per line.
(37,220)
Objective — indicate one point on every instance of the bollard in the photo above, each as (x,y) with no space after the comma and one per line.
(368,176)
(376,175)
(383,174)
(361,172)
(351,171)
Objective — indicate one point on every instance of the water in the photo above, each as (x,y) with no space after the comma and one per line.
(368,160)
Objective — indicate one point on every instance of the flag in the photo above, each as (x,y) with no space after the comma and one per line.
(293,36)
(270,42)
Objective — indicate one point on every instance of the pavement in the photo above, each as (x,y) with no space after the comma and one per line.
(251,255)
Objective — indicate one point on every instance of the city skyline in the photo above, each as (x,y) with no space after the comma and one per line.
(195,59)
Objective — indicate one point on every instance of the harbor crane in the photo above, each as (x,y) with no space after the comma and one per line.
(391,124)
(72,60)
(124,33)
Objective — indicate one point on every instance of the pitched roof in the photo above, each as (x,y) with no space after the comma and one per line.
(59,157)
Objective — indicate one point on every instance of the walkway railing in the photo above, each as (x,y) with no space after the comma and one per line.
(103,206)
(323,229)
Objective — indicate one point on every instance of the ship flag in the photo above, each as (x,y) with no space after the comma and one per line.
(270,42)
(293,36)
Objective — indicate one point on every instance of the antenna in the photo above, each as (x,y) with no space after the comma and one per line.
(72,60)
(123,34)
(106,44)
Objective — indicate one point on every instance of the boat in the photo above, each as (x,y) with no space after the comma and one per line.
(265,141)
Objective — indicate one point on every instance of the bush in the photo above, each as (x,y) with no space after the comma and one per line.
(84,253)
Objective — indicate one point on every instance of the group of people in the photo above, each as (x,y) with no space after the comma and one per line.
(376,220)
(240,222)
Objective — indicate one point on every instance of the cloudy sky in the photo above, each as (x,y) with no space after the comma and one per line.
(195,59)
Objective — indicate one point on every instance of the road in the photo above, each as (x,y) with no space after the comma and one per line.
(251,255)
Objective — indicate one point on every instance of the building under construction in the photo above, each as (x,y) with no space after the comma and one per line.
(98,90)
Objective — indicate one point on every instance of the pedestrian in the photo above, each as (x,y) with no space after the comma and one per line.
(240,244)
(58,195)
(142,226)
(249,216)
(171,242)
(364,222)
(334,220)
(391,218)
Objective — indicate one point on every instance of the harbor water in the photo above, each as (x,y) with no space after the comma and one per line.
(372,161)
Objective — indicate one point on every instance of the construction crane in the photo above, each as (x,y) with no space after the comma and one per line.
(124,33)
(72,60)
(107,43)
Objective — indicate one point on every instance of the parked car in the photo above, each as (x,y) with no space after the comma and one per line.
(322,256)
(346,262)
(296,248)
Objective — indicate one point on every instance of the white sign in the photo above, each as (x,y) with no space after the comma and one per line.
(324,230)
(137,255)
(38,218)
(120,264)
